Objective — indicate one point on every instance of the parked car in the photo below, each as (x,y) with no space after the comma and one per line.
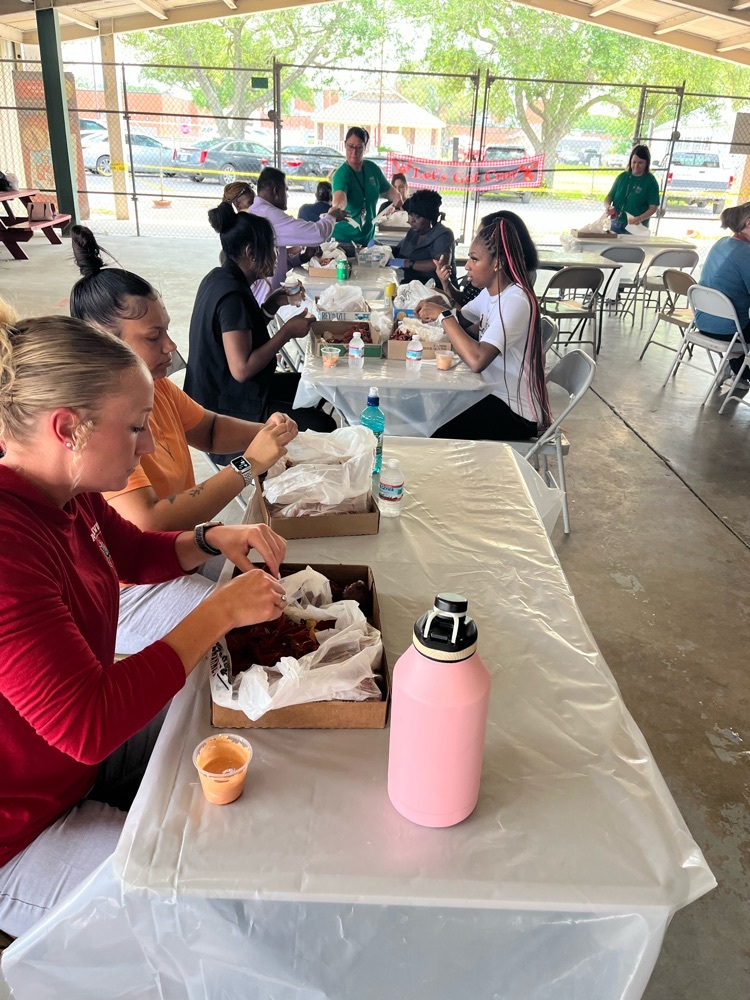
(582,152)
(504,152)
(501,151)
(306,165)
(617,161)
(91,125)
(697,178)
(149,155)
(224,160)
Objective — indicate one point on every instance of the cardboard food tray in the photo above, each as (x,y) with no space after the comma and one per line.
(317,525)
(345,317)
(323,714)
(581,234)
(321,272)
(395,350)
(318,328)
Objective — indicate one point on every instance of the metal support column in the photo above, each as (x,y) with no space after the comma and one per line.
(55,98)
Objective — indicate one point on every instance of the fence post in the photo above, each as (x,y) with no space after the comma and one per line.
(114,130)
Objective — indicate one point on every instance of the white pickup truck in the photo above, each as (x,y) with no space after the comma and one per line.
(697,178)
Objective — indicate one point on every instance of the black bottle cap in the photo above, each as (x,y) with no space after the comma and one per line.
(452,602)
(446,633)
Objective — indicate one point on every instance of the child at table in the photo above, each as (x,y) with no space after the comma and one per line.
(78,728)
(498,334)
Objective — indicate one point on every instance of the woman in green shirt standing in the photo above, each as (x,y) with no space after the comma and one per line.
(634,197)
(357,185)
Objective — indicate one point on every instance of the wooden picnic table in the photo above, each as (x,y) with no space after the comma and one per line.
(17,229)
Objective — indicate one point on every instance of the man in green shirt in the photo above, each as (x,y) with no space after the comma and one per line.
(357,185)
(634,196)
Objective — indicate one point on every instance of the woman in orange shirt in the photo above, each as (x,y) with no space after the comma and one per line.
(162,495)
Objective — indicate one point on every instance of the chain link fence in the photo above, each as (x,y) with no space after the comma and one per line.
(153,146)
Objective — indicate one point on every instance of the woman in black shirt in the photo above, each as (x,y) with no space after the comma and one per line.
(231,365)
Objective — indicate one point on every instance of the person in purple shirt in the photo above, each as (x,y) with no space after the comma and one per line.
(270,203)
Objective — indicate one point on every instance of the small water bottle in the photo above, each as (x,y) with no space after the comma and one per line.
(441,693)
(374,418)
(391,489)
(356,351)
(414,354)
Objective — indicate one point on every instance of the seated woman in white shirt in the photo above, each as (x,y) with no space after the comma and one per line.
(498,334)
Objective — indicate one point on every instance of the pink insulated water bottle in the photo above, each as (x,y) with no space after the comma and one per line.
(441,691)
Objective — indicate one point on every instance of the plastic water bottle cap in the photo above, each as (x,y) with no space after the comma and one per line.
(392,463)
(373,390)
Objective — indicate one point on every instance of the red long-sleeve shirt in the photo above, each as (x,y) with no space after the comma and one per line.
(64,705)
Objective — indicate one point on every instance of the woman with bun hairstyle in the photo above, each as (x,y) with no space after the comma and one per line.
(231,366)
(428,239)
(78,727)
(498,334)
(161,493)
(357,184)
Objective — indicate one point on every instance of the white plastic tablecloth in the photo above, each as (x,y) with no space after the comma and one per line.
(415,404)
(311,887)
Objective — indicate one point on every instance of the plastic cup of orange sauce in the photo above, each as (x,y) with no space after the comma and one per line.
(221,762)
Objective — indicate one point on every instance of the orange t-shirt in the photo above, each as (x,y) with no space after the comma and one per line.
(169,468)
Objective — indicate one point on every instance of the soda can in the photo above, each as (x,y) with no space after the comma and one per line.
(342,270)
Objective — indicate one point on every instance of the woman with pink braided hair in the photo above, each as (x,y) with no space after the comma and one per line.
(498,334)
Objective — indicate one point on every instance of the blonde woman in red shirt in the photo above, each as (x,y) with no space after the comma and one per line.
(78,727)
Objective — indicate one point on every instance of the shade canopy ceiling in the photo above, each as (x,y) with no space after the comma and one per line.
(711,27)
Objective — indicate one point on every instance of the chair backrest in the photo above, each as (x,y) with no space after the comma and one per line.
(685,260)
(176,364)
(677,283)
(579,278)
(624,255)
(713,302)
(550,333)
(574,373)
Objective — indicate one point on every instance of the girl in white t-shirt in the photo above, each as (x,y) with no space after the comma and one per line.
(498,334)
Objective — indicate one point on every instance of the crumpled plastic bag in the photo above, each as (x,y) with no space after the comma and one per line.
(398,218)
(600,225)
(411,293)
(342,298)
(374,256)
(428,333)
(330,251)
(328,469)
(381,324)
(342,668)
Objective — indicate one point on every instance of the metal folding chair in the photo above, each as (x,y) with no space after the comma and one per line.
(652,283)
(708,300)
(676,284)
(550,333)
(627,280)
(574,373)
(571,295)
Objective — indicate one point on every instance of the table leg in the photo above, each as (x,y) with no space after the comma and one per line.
(602,300)
(15,250)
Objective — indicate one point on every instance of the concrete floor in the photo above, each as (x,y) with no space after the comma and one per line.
(658,560)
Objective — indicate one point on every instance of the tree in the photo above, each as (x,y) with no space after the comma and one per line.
(200,54)
(543,50)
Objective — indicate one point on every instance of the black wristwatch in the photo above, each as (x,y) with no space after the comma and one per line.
(201,540)
(447,314)
(243,468)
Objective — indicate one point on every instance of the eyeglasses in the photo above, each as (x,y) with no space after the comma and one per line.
(355,149)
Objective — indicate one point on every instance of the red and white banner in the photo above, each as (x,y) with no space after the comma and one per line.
(481,175)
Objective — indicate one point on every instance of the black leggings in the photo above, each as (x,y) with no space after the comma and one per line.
(491,419)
